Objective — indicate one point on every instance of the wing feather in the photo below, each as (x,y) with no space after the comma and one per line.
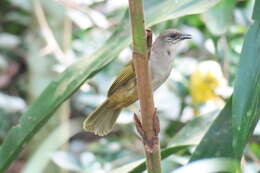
(123,78)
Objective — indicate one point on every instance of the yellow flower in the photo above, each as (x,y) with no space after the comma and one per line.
(205,79)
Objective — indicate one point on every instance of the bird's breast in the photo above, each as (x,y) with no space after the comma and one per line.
(160,70)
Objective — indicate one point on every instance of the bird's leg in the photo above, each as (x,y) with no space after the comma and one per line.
(150,144)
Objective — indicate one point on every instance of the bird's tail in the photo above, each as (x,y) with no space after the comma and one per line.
(102,120)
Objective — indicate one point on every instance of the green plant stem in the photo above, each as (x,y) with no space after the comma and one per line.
(144,87)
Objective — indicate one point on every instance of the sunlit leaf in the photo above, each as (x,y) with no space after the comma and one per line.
(170,9)
(246,100)
(256,14)
(211,165)
(42,155)
(218,140)
(219,18)
(228,135)
(193,131)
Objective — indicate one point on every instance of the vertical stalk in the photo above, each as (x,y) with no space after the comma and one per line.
(149,128)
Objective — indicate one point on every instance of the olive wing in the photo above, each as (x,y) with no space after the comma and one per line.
(126,75)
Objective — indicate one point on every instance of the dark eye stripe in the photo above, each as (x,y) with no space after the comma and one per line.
(173,35)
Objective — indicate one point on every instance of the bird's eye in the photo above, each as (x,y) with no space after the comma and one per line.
(173,36)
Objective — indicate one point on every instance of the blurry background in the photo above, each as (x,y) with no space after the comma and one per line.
(39,39)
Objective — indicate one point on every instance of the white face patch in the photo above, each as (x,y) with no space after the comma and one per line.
(170,41)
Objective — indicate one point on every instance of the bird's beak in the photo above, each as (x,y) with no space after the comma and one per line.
(185,36)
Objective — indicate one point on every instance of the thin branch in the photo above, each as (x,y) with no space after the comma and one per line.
(149,128)
(47,33)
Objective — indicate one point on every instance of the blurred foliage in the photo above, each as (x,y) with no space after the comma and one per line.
(192,89)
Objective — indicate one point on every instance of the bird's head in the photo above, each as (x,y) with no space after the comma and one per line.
(172,37)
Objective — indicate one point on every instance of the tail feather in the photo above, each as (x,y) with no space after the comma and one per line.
(102,120)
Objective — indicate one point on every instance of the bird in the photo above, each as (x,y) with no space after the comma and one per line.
(123,91)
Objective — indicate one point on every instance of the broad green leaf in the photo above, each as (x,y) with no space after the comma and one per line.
(139,166)
(170,9)
(58,91)
(219,18)
(228,135)
(193,132)
(211,166)
(41,157)
(256,14)
(75,75)
(218,140)
(246,100)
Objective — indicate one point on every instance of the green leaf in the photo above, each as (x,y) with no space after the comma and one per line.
(193,131)
(246,100)
(256,14)
(41,157)
(139,166)
(211,165)
(75,75)
(228,135)
(170,9)
(218,140)
(219,18)
(58,91)
(255,148)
